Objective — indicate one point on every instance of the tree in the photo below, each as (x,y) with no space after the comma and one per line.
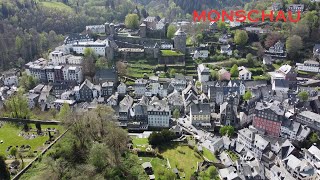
(198,84)
(271,39)
(27,82)
(17,106)
(234,71)
(304,96)
(13,152)
(221,25)
(102,63)
(226,130)
(214,75)
(176,113)
(172,72)
(89,68)
(260,49)
(293,45)
(122,68)
(171,30)
(4,172)
(301,29)
(64,111)
(162,137)
(251,62)
(241,37)
(247,96)
(314,138)
(98,156)
(210,173)
(199,38)
(132,21)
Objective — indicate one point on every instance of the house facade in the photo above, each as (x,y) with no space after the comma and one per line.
(200,113)
(159,114)
(309,66)
(203,73)
(244,73)
(310,119)
(268,117)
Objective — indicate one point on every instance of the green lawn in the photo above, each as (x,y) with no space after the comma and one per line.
(209,155)
(232,155)
(141,143)
(170,53)
(56,5)
(9,134)
(276,66)
(183,158)
(158,164)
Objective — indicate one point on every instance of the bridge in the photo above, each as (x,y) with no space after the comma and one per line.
(32,121)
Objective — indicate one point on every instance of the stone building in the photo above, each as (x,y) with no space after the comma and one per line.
(180,39)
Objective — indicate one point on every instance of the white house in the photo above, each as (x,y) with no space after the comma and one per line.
(75,74)
(203,73)
(244,73)
(57,58)
(226,49)
(201,54)
(10,80)
(77,60)
(122,88)
(281,85)
(309,66)
(159,113)
(140,87)
(99,47)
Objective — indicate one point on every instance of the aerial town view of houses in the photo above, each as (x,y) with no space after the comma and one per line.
(147,96)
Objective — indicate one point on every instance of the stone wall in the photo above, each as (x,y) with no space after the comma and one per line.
(149,42)
(171,60)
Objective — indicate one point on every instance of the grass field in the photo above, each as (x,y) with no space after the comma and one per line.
(141,143)
(183,158)
(9,134)
(209,155)
(56,5)
(276,66)
(170,53)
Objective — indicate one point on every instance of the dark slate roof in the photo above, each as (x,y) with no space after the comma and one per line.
(316,47)
(76,37)
(109,74)
(200,109)
(281,83)
(252,84)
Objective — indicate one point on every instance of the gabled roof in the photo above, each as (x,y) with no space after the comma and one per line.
(150,19)
(285,69)
(203,68)
(179,32)
(200,109)
(314,151)
(281,83)
(87,83)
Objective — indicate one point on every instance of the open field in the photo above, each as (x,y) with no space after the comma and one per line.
(209,155)
(141,143)
(9,134)
(183,158)
(56,5)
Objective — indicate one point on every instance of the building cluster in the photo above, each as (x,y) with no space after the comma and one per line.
(270,123)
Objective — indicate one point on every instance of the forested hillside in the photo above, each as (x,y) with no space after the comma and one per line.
(28,28)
